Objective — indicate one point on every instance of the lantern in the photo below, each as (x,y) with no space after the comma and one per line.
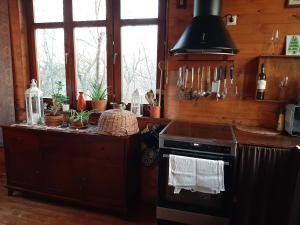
(136,106)
(34,104)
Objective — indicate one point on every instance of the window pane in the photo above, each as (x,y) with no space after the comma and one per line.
(135,9)
(50,59)
(90,49)
(139,58)
(84,10)
(48,11)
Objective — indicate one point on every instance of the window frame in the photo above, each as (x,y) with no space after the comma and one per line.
(113,24)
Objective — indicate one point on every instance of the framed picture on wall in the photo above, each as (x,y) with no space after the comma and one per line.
(292,45)
(292,3)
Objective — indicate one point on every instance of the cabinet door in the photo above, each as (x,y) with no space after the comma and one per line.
(105,173)
(22,158)
(62,158)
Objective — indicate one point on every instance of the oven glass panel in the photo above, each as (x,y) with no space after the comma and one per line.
(215,204)
(211,201)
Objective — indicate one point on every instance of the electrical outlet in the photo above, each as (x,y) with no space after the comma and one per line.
(231,20)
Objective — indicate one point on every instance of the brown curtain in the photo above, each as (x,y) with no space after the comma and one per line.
(294,214)
(264,184)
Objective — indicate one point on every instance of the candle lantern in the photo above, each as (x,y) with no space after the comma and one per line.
(34,104)
(136,106)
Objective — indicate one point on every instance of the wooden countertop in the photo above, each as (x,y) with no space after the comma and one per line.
(278,141)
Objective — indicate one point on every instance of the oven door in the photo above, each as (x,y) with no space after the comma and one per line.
(211,204)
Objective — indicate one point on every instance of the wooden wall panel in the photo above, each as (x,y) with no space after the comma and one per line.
(6,85)
(19,55)
(257,19)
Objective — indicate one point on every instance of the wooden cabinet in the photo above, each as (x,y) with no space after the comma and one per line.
(99,171)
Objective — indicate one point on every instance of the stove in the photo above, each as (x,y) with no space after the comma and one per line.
(205,138)
(206,141)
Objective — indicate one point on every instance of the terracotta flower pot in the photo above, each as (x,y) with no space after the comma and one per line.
(78,124)
(99,106)
(155,111)
(53,121)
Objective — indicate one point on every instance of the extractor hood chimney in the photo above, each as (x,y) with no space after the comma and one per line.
(207,33)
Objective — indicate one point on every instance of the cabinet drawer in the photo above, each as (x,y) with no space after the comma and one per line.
(106,153)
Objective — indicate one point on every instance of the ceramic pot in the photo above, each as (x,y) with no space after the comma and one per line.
(99,106)
(155,111)
(53,121)
(79,125)
(81,104)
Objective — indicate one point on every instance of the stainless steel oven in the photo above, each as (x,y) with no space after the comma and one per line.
(188,207)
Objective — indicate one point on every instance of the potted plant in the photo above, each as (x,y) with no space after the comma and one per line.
(79,120)
(98,94)
(55,117)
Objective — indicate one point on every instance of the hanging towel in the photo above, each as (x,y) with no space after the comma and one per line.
(206,176)
(210,176)
(182,172)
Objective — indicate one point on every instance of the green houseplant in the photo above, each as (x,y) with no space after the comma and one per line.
(54,117)
(80,120)
(98,94)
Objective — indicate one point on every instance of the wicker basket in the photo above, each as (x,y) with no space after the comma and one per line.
(117,122)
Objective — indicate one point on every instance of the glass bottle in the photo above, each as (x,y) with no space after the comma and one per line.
(261,84)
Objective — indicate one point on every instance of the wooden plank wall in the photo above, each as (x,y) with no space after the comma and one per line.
(257,19)
(6,85)
(20,61)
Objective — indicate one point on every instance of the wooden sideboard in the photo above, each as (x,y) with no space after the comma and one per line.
(94,170)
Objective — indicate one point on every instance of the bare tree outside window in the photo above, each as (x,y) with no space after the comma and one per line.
(139,58)
(90,48)
(51,59)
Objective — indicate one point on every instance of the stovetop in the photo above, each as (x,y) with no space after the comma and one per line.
(193,135)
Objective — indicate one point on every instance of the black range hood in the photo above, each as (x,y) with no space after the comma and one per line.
(207,33)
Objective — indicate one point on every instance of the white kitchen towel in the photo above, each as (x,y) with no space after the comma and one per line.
(182,172)
(195,174)
(210,176)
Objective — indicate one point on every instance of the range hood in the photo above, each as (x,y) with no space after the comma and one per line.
(207,33)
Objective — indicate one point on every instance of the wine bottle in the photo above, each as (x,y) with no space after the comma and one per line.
(261,84)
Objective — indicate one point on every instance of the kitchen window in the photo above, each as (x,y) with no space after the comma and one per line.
(80,42)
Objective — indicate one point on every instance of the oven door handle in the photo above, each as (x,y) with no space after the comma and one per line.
(167,156)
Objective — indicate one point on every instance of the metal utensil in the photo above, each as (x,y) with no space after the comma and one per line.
(186,95)
(215,83)
(195,93)
(224,93)
(219,96)
(232,87)
(179,81)
(202,93)
(208,93)
(231,73)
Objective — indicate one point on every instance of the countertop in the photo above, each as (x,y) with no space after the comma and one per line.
(248,138)
(279,141)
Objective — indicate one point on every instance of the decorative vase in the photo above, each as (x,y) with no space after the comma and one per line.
(99,106)
(81,104)
(53,121)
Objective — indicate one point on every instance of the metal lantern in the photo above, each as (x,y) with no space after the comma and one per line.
(136,106)
(34,104)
